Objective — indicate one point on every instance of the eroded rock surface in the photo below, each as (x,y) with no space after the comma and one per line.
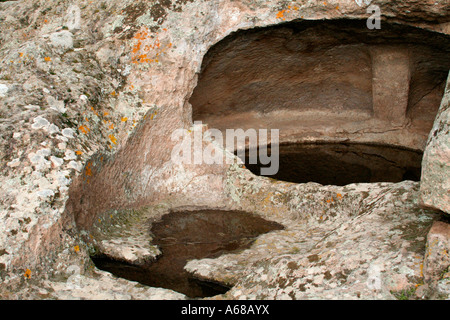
(90,93)
(435,184)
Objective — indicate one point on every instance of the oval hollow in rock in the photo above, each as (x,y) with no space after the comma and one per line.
(342,164)
(183,236)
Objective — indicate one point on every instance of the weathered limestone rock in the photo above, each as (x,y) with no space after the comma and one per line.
(435,182)
(62,40)
(103,286)
(72,20)
(3,90)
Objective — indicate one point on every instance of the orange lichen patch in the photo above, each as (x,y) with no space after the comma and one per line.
(76,248)
(153,115)
(113,93)
(111,126)
(330,200)
(113,139)
(141,59)
(84,129)
(124,119)
(142,35)
(105,113)
(136,47)
(88,169)
(280,14)
(147,47)
(131,87)
(339,196)
(266,199)
(78,152)
(27,274)
(48,59)
(45,21)
(21,54)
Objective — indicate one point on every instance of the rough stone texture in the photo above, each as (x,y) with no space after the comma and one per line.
(435,183)
(437,261)
(99,285)
(326,81)
(357,241)
(90,93)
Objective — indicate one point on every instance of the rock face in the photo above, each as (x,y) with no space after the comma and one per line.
(435,183)
(356,241)
(90,94)
(326,80)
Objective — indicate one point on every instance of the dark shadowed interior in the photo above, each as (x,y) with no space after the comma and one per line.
(342,164)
